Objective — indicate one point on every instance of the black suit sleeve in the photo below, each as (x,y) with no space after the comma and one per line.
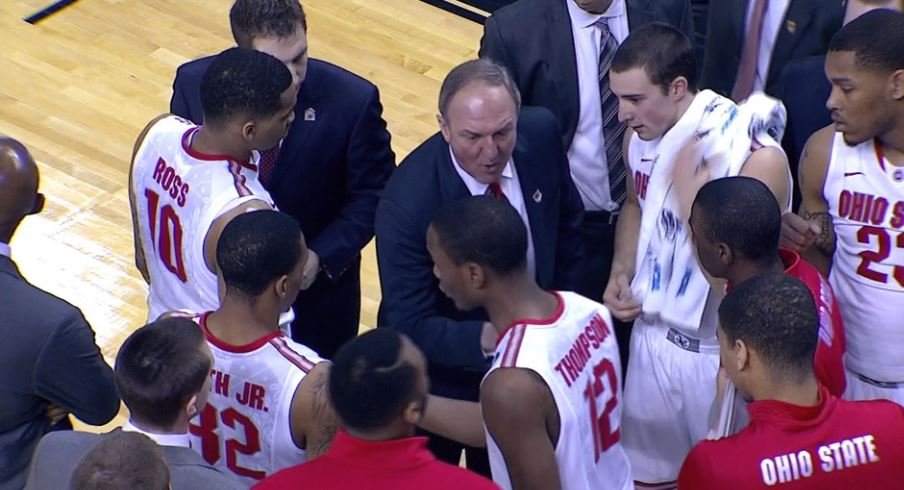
(570,245)
(686,23)
(410,294)
(70,372)
(370,163)
(180,104)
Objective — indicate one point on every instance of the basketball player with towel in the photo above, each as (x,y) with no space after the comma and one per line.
(551,401)
(188,181)
(852,215)
(268,407)
(679,139)
(800,436)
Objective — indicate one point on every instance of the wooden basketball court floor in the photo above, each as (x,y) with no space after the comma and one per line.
(79,86)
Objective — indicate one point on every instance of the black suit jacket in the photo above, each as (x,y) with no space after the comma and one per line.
(533,39)
(804,89)
(332,167)
(807,28)
(47,355)
(423,183)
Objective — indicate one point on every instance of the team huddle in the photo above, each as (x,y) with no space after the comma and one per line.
(766,346)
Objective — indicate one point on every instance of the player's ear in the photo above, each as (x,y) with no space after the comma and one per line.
(249,130)
(742,355)
(476,275)
(282,286)
(897,85)
(414,412)
(726,256)
(191,407)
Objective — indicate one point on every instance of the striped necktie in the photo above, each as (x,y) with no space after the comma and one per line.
(613,129)
(751,52)
(267,164)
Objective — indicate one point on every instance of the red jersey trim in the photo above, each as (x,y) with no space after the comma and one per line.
(238,179)
(880,153)
(556,315)
(207,157)
(289,353)
(237,349)
(510,356)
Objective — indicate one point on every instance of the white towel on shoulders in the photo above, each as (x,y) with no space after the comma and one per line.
(668,281)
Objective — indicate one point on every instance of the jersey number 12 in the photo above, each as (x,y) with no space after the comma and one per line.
(603,435)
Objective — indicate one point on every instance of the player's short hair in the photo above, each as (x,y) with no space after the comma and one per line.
(876,38)
(257,248)
(159,368)
(484,230)
(742,213)
(664,53)
(278,19)
(243,82)
(122,461)
(481,70)
(370,383)
(776,316)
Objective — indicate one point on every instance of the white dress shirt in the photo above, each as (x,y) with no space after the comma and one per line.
(4,249)
(772,23)
(177,440)
(511,187)
(587,154)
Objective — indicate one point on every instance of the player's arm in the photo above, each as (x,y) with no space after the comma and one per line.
(313,420)
(140,261)
(219,224)
(521,417)
(617,295)
(458,420)
(769,165)
(811,231)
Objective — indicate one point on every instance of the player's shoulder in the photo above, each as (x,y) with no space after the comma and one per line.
(819,146)
(299,355)
(881,413)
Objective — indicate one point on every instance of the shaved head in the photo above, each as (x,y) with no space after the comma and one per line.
(18,186)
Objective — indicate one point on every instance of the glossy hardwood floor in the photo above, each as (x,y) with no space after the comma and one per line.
(78,87)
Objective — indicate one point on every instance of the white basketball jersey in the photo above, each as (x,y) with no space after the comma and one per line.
(576,355)
(179,192)
(865,194)
(245,428)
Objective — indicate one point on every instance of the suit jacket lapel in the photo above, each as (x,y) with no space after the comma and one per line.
(563,65)
(798,18)
(531,182)
(301,129)
(451,187)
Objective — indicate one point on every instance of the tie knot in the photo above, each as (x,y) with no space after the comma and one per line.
(603,24)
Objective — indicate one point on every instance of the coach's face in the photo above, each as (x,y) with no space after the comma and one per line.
(291,50)
(864,101)
(480,126)
(452,277)
(593,6)
(644,106)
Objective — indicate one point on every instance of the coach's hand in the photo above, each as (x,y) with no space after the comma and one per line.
(311,269)
(619,298)
(798,234)
(55,414)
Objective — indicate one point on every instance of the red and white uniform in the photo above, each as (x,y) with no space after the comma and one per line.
(575,353)
(245,428)
(179,192)
(865,194)
(836,444)
(828,363)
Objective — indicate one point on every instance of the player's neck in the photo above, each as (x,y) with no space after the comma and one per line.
(747,269)
(520,299)
(399,431)
(210,142)
(803,392)
(893,145)
(239,321)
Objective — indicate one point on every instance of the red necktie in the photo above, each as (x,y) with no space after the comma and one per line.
(267,164)
(750,54)
(496,191)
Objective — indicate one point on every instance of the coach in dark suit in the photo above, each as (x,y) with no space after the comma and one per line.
(163,373)
(49,363)
(485,146)
(330,169)
(804,30)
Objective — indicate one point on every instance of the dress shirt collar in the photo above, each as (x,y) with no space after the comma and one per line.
(177,440)
(582,18)
(476,188)
(4,249)
(394,454)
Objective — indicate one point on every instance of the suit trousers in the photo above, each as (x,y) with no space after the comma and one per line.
(327,313)
(598,234)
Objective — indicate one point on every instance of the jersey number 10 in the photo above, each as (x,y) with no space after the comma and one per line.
(166,236)
(603,435)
